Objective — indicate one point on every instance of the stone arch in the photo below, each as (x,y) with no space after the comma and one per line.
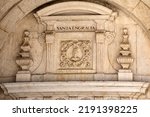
(24,7)
(20,10)
(86,7)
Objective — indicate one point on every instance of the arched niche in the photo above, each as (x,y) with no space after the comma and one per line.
(102,34)
(84,9)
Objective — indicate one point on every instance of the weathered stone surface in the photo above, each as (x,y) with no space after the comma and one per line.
(3,38)
(6,7)
(3,2)
(7,56)
(148,93)
(142,12)
(128,4)
(82,90)
(28,5)
(79,42)
(143,53)
(125,75)
(9,21)
(3,96)
(147,2)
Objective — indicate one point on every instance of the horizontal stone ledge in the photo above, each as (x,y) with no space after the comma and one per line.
(82,17)
(74,86)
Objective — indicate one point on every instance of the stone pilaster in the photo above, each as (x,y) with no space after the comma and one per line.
(49,41)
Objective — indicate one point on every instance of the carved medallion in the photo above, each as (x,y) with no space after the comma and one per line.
(76,54)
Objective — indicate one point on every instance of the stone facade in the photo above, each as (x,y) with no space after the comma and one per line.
(88,49)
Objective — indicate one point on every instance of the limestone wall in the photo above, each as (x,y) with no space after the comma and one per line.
(16,16)
(12,25)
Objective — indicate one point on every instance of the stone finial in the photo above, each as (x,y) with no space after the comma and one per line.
(24,60)
(125,58)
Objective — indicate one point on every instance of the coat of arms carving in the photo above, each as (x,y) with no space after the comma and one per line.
(75,54)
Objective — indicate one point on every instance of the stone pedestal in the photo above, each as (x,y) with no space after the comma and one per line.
(125,75)
(23,76)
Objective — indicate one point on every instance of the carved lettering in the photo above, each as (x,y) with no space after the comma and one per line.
(76,28)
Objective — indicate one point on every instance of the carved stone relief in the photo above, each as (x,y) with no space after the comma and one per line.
(75,54)
(37,43)
(24,60)
(109,38)
(74,41)
(125,59)
(72,44)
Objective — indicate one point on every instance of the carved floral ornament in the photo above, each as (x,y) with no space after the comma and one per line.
(109,36)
